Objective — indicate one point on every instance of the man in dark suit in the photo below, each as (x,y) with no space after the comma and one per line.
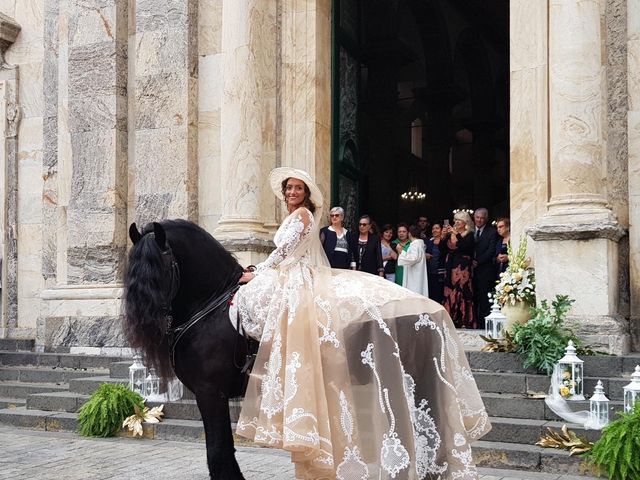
(484,272)
(366,249)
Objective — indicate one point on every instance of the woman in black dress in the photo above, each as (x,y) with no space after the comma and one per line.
(366,250)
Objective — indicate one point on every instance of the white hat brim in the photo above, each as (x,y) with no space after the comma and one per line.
(280,174)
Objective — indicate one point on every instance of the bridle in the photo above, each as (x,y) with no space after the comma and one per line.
(174,334)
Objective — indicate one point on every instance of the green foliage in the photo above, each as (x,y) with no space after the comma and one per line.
(616,452)
(541,342)
(104,412)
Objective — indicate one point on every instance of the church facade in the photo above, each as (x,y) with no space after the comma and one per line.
(117,111)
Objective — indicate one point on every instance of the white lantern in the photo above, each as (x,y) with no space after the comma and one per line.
(598,408)
(137,376)
(494,322)
(152,384)
(632,391)
(570,373)
(174,390)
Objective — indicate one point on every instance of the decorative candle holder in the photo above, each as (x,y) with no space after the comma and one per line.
(570,375)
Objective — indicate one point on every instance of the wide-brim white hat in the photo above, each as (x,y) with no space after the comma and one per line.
(280,174)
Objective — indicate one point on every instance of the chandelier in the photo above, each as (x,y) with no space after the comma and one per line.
(413,195)
(467,210)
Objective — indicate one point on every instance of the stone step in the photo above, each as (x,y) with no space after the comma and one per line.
(88,385)
(169,429)
(603,366)
(38,419)
(487,453)
(528,432)
(519,406)
(29,373)
(120,369)
(17,345)
(64,401)
(531,458)
(495,382)
(66,360)
(12,402)
(22,390)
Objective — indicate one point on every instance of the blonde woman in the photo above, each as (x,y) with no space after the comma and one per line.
(457,247)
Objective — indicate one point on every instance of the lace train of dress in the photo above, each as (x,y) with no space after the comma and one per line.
(357,377)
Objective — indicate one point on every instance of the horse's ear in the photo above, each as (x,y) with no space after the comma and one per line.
(160,235)
(134,233)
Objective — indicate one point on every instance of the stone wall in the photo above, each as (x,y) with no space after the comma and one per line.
(27,55)
(139,110)
(633,132)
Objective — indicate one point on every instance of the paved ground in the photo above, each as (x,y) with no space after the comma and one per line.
(29,454)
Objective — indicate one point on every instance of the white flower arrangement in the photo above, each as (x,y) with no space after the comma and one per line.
(517,283)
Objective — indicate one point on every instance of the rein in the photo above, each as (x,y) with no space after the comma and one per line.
(176,333)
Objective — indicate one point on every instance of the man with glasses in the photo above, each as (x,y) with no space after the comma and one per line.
(366,249)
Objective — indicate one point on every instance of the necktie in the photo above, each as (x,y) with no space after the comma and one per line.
(478,234)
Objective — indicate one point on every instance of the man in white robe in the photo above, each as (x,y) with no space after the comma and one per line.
(415,264)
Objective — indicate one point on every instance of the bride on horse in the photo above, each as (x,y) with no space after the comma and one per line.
(355,376)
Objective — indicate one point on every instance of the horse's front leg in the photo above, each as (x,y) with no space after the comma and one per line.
(221,459)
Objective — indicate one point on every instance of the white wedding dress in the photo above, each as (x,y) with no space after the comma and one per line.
(355,376)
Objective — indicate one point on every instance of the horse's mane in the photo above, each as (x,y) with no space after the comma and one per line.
(147,283)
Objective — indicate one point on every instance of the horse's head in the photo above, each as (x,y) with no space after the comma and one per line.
(169,264)
(174,266)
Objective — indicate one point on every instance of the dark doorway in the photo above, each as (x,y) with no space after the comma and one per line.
(421,100)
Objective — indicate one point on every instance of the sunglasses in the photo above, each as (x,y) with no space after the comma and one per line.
(363,224)
(334,215)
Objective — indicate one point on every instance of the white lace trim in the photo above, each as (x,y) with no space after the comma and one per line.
(272,394)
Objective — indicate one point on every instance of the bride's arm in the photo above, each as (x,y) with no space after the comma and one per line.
(296,230)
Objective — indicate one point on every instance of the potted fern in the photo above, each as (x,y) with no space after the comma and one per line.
(106,410)
(616,452)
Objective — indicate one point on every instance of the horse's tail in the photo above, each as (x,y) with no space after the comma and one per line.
(146,284)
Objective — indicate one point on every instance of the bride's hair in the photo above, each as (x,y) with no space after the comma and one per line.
(308,204)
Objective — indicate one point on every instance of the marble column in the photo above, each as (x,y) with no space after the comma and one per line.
(633,131)
(243,167)
(9,118)
(84,170)
(306,89)
(165,111)
(528,112)
(576,105)
(578,236)
(96,215)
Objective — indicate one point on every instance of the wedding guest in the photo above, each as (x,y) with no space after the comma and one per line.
(435,266)
(402,230)
(415,268)
(366,252)
(335,239)
(457,246)
(503,226)
(423,224)
(484,271)
(389,255)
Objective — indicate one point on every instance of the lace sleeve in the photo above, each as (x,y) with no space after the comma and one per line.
(288,239)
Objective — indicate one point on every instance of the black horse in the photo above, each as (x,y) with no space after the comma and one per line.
(178,271)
